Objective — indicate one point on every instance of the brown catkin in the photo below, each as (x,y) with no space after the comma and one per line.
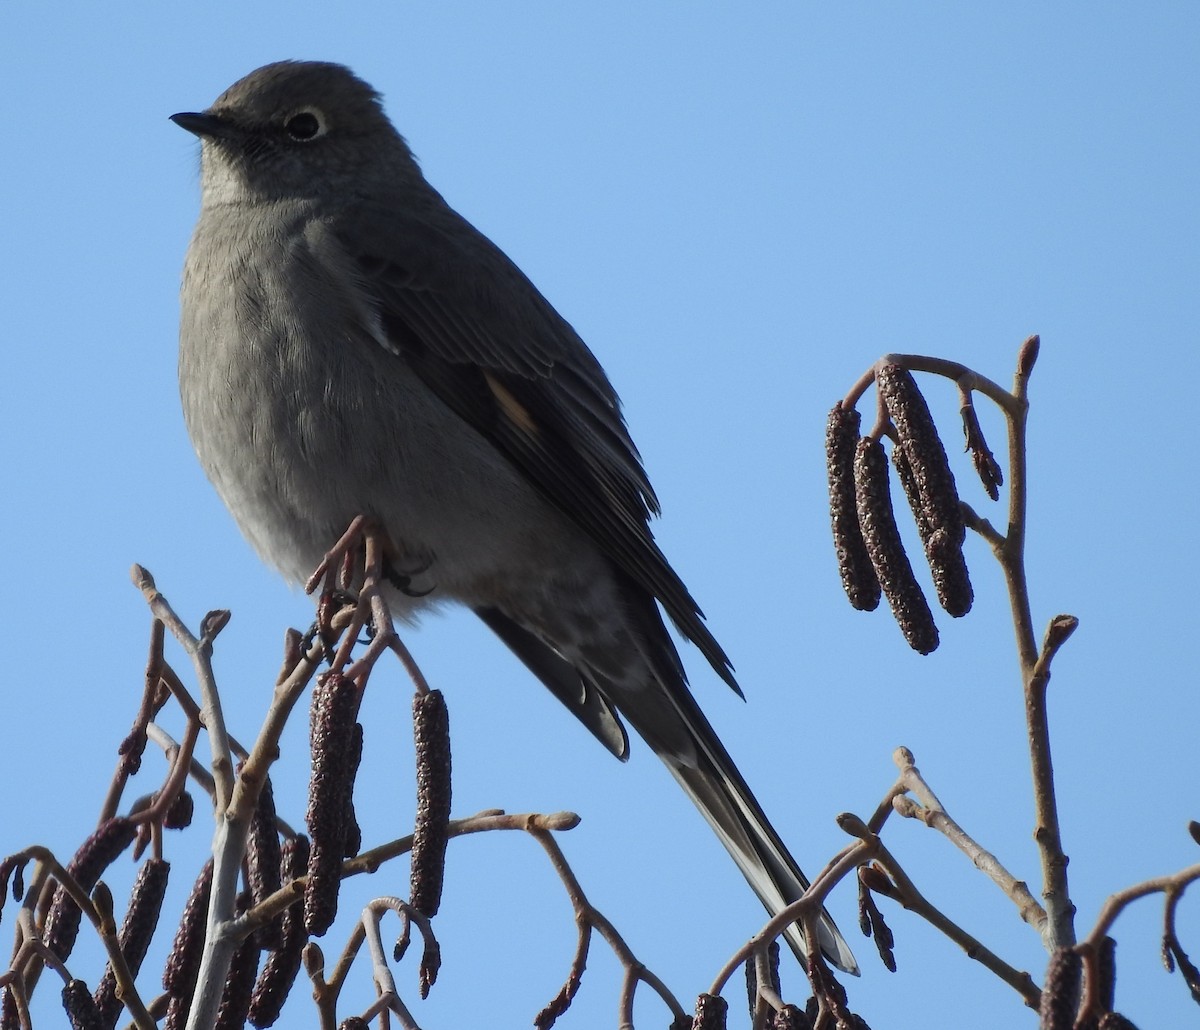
(886,549)
(1060,994)
(1106,972)
(791,1018)
(750,968)
(81,1009)
(711,1011)
(854,564)
(95,855)
(987,468)
(431,730)
(137,930)
(908,481)
(239,982)
(10,1016)
(923,447)
(177,1013)
(332,732)
(183,962)
(263,862)
(950,577)
(281,966)
(946,561)
(928,483)
(179,815)
(1099,984)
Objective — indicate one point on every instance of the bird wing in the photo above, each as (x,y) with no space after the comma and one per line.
(563,680)
(478,333)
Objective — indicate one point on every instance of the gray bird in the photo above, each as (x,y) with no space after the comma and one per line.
(351,345)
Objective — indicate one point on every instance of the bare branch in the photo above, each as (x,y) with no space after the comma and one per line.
(933,815)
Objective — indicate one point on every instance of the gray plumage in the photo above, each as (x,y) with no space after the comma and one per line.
(351,345)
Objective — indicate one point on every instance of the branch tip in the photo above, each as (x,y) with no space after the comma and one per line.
(142,579)
(1028,355)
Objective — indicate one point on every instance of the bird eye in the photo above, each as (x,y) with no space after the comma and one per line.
(303,126)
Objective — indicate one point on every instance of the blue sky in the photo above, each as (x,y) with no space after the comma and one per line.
(740,209)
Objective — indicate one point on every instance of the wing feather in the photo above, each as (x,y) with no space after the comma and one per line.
(485,341)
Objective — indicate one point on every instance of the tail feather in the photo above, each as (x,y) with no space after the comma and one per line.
(562,679)
(671,722)
(735,816)
(656,701)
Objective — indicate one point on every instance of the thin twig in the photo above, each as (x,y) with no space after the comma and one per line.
(385,983)
(1117,903)
(235,799)
(931,812)
(912,899)
(966,379)
(846,860)
(199,650)
(1010,550)
(127,990)
(635,971)
(153,698)
(1060,929)
(314,966)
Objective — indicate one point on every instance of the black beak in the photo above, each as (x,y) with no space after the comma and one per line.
(206,126)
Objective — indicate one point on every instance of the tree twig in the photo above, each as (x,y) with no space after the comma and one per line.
(931,812)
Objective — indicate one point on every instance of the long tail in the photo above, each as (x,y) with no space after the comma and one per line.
(667,717)
(671,722)
(716,787)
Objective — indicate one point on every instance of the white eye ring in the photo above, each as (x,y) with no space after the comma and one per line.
(305,125)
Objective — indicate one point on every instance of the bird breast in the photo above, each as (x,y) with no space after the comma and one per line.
(302,419)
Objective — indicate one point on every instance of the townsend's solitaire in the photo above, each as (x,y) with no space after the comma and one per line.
(350,345)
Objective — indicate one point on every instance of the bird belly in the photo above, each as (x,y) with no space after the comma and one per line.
(302,422)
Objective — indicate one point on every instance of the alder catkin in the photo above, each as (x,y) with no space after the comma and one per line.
(431,731)
(81,1009)
(335,703)
(1106,972)
(179,814)
(95,855)
(239,982)
(928,483)
(183,961)
(711,1012)
(263,861)
(135,935)
(854,564)
(1060,993)
(279,971)
(886,549)
(791,1018)
(923,447)
(987,468)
